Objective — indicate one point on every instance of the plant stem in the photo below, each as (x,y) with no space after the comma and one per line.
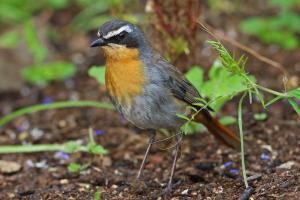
(240,122)
(56,105)
(30,148)
(272,91)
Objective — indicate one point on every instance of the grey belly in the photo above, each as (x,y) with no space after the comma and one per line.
(154,110)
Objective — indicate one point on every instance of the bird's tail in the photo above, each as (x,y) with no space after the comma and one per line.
(222,133)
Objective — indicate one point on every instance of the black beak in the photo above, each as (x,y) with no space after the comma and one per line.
(98,43)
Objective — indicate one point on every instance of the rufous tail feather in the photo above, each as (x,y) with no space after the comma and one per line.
(222,133)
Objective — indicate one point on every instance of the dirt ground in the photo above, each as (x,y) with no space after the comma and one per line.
(205,170)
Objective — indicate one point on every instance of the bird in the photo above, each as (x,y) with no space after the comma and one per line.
(149,91)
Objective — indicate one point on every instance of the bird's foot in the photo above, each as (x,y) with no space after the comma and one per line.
(166,192)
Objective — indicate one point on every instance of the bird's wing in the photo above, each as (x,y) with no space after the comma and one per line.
(175,81)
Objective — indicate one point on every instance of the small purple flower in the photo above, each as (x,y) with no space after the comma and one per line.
(47,100)
(264,156)
(234,171)
(62,155)
(228,164)
(99,132)
(20,129)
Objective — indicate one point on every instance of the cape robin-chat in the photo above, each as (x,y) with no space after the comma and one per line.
(149,91)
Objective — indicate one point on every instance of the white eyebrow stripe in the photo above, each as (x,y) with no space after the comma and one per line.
(116,32)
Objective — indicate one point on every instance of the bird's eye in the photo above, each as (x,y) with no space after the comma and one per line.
(121,35)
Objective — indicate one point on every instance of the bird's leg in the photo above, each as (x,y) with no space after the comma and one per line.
(177,150)
(151,140)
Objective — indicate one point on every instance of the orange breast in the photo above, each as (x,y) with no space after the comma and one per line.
(124,74)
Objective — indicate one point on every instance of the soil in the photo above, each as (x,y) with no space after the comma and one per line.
(205,170)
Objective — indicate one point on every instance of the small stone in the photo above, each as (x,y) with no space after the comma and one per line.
(62,124)
(106,161)
(254,177)
(11,195)
(287,165)
(36,133)
(42,164)
(23,136)
(194,193)
(64,181)
(205,166)
(114,186)
(9,167)
(185,192)
(246,194)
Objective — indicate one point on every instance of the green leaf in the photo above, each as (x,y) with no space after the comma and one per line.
(98,73)
(192,127)
(183,117)
(285,3)
(228,120)
(295,106)
(295,93)
(96,149)
(71,147)
(43,74)
(221,83)
(9,39)
(58,4)
(260,116)
(76,167)
(271,30)
(97,195)
(36,48)
(195,76)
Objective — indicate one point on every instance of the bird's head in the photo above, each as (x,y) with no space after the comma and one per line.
(120,39)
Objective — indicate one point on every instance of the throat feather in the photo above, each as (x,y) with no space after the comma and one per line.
(124,78)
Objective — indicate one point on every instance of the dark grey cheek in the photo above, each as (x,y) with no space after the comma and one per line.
(130,42)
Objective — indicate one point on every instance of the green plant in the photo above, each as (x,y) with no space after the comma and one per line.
(9,39)
(98,73)
(250,89)
(76,167)
(92,148)
(68,147)
(97,195)
(44,73)
(281,29)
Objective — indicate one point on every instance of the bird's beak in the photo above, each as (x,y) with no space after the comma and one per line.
(98,43)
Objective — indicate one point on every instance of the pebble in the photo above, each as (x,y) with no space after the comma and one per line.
(36,133)
(287,165)
(194,193)
(286,184)
(205,166)
(185,192)
(9,167)
(62,124)
(23,136)
(246,194)
(254,177)
(114,186)
(64,181)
